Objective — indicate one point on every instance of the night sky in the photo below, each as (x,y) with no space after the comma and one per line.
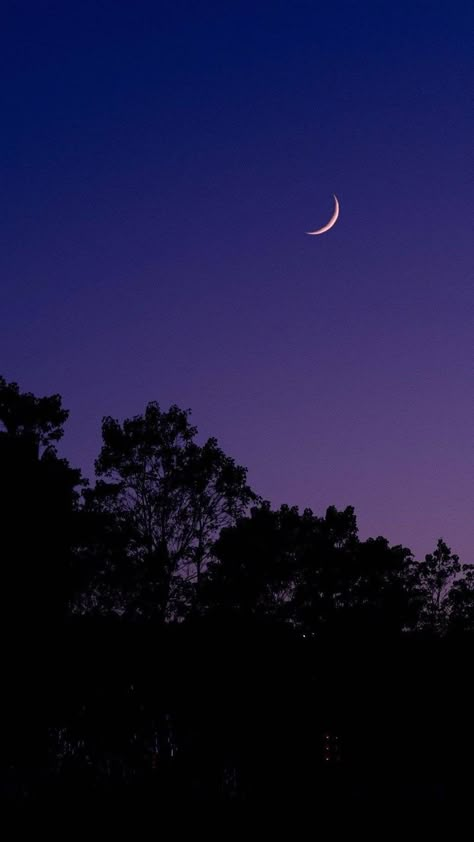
(160,165)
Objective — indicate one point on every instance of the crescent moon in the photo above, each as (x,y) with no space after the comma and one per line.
(331,222)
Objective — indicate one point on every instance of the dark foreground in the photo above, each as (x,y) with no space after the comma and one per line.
(201,719)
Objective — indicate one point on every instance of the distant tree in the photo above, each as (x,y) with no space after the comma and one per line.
(251,574)
(461,602)
(381,597)
(323,571)
(436,576)
(347,586)
(167,498)
(312,572)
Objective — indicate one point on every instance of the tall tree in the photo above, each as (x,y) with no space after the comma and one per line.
(25,417)
(38,504)
(169,497)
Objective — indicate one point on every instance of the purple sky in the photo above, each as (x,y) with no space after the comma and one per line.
(160,165)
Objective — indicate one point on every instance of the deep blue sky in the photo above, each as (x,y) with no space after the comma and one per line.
(160,163)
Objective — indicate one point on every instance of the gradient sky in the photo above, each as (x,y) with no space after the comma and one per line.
(160,165)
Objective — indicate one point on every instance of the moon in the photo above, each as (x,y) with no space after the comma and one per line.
(331,222)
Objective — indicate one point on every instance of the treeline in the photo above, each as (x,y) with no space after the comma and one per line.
(171,636)
(171,530)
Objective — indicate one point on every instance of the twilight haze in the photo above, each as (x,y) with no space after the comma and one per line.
(161,163)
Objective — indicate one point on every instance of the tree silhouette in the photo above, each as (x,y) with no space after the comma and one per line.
(251,574)
(436,576)
(461,602)
(167,498)
(313,573)
(27,417)
(344,586)
(38,504)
